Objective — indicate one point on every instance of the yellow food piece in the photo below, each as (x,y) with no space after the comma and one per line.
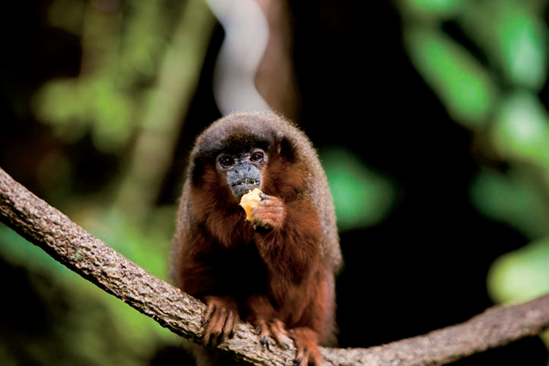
(249,201)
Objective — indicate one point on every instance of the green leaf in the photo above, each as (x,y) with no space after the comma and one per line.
(514,38)
(521,275)
(511,198)
(455,76)
(522,129)
(433,7)
(361,197)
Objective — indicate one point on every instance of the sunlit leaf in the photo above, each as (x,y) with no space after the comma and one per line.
(522,128)
(93,104)
(113,117)
(513,37)
(361,197)
(521,275)
(59,103)
(456,77)
(523,50)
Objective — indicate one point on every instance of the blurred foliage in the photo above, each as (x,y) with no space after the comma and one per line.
(361,197)
(72,321)
(92,105)
(487,71)
(485,60)
(511,198)
(139,68)
(522,275)
(460,82)
(521,131)
(513,36)
(121,55)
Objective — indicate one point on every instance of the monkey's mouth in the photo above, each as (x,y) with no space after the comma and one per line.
(245,185)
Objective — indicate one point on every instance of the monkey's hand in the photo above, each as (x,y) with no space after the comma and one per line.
(220,320)
(306,342)
(269,213)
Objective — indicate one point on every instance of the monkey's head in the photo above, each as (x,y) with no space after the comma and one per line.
(243,170)
(241,152)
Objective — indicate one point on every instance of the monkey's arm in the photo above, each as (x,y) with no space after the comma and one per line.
(291,248)
(289,238)
(201,277)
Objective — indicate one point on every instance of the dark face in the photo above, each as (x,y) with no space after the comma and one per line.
(244,171)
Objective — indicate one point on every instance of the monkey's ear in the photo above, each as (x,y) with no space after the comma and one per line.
(286,147)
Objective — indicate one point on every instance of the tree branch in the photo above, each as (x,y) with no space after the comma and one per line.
(86,255)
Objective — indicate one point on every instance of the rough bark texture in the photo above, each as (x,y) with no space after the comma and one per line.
(495,327)
(86,255)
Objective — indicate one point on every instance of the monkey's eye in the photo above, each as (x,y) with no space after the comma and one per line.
(257,156)
(226,161)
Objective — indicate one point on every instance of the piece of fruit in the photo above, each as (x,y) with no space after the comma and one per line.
(249,201)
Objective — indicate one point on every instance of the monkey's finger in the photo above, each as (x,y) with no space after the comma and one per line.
(266,342)
(209,313)
(217,325)
(266,198)
(276,329)
(263,332)
(230,324)
(271,203)
(302,358)
(207,335)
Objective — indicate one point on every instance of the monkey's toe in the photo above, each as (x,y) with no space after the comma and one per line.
(269,331)
(306,344)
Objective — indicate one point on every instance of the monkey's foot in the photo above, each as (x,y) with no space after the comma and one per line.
(306,342)
(220,321)
(272,329)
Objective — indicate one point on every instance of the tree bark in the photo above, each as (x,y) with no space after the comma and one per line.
(86,255)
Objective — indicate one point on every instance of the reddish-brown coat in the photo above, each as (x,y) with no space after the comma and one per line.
(279,276)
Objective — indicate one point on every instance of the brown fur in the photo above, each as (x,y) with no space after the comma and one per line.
(281,278)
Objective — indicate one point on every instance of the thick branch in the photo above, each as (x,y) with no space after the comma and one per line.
(86,255)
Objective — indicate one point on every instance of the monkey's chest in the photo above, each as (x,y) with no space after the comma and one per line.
(246,271)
